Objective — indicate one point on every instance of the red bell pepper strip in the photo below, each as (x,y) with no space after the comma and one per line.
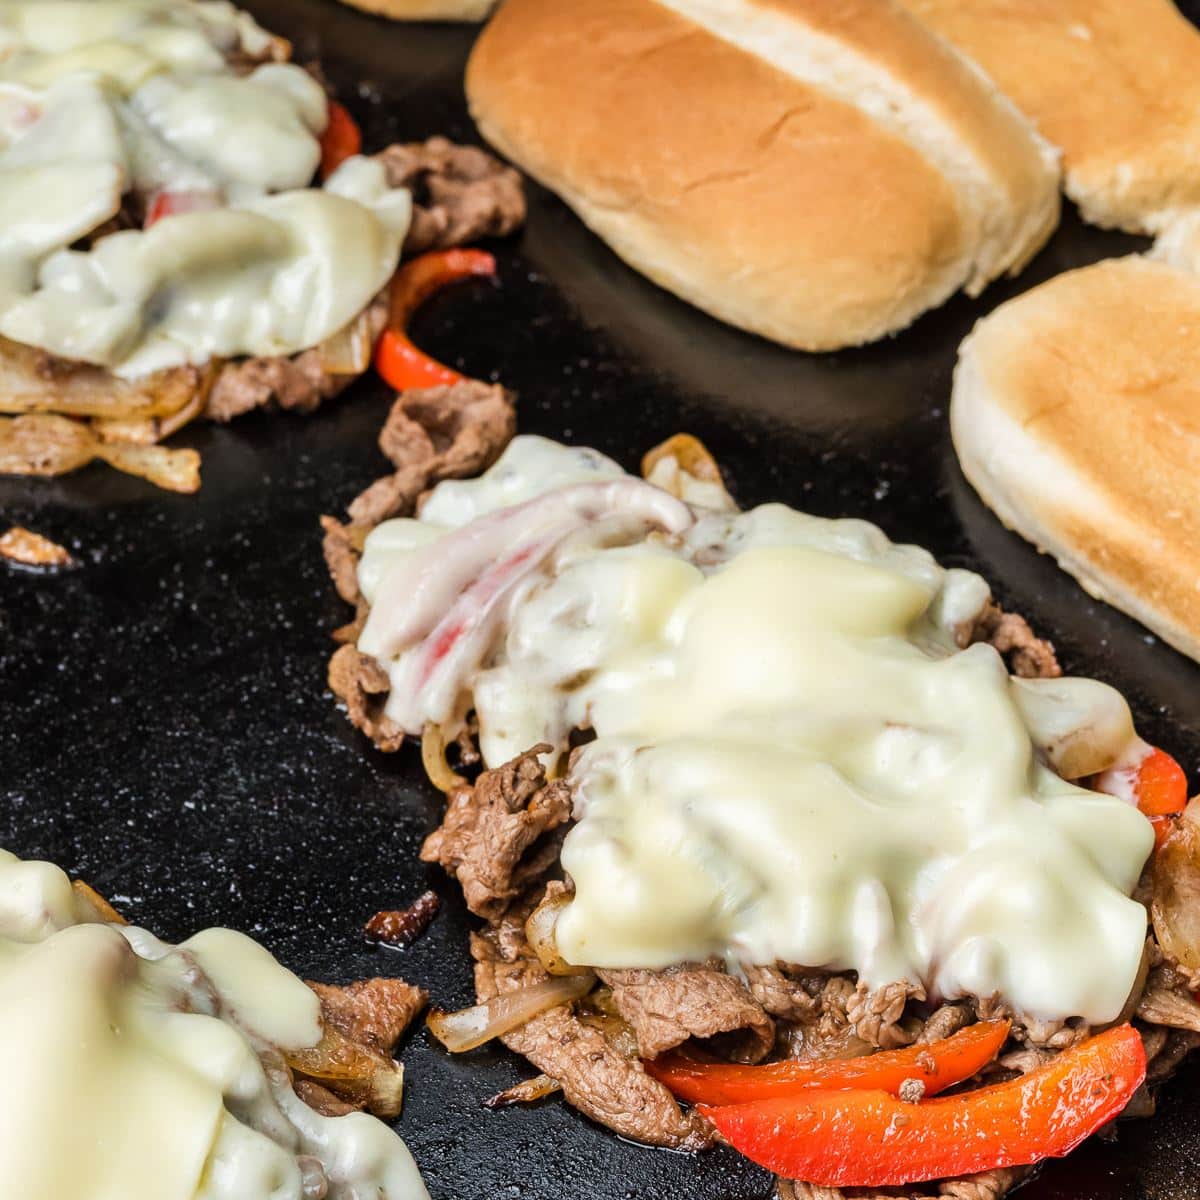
(871,1139)
(1155,783)
(341,140)
(172,204)
(400,363)
(937,1066)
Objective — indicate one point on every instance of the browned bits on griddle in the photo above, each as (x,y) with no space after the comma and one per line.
(402,926)
(20,545)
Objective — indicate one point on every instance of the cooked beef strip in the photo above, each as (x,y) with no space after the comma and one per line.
(596,1078)
(372,1012)
(402,927)
(322,1099)
(342,546)
(781,994)
(432,434)
(945,1022)
(460,193)
(362,685)
(494,837)
(991,1185)
(1168,1000)
(667,1008)
(1027,655)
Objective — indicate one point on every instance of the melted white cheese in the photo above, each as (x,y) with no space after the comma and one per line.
(140,1071)
(794,760)
(99,98)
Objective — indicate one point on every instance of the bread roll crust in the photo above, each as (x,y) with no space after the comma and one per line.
(767,201)
(1114,83)
(1076,416)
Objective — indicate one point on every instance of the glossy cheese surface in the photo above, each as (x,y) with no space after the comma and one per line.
(177,110)
(797,756)
(136,1070)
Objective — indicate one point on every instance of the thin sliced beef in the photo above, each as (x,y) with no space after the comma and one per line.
(372,1012)
(877,1015)
(342,546)
(1027,655)
(322,1099)
(1168,1000)
(991,1185)
(433,434)
(498,836)
(596,1078)
(781,994)
(360,683)
(295,383)
(1034,1033)
(667,1008)
(460,193)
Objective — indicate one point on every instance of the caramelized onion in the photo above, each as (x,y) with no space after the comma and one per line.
(352,1072)
(433,758)
(471,1027)
(348,352)
(526,1092)
(539,930)
(1175,897)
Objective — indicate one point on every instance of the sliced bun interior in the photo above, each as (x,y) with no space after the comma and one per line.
(1076,416)
(1114,83)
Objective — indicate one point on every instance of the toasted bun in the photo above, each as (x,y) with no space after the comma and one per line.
(1114,83)
(817,171)
(426,10)
(1076,416)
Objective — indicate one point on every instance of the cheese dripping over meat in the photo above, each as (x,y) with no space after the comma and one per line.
(794,759)
(176,104)
(142,1071)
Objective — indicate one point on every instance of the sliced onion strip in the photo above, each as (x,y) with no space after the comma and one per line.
(471,1027)
(433,758)
(539,931)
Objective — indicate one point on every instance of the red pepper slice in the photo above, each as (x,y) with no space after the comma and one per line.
(172,204)
(938,1066)
(1157,785)
(400,363)
(341,140)
(871,1139)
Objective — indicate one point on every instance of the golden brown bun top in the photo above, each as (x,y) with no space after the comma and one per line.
(1114,83)
(758,196)
(1101,367)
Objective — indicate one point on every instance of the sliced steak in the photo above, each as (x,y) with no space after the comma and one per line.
(360,683)
(667,1008)
(295,383)
(596,1078)
(498,836)
(433,434)
(1027,655)
(372,1012)
(1169,1000)
(991,1185)
(781,994)
(460,193)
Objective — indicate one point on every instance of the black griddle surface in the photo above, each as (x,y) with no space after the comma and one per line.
(166,732)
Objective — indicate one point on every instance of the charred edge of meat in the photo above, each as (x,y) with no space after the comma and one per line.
(402,927)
